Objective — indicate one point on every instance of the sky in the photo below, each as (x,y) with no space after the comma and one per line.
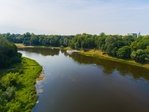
(74,16)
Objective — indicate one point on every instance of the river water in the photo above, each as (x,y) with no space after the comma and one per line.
(76,83)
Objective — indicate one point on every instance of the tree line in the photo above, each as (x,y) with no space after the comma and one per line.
(120,46)
(8,53)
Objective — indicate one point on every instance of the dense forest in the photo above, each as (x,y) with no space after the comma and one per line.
(8,53)
(120,46)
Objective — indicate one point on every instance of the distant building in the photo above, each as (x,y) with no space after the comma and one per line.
(134,34)
(139,34)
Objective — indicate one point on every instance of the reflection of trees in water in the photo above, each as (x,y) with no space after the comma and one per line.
(110,66)
(64,52)
(43,51)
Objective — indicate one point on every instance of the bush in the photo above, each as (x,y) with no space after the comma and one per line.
(139,56)
(8,53)
(124,52)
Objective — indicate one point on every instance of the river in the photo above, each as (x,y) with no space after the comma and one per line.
(77,83)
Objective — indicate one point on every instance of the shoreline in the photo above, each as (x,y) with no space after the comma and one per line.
(21,46)
(101,55)
(26,74)
(92,53)
(39,86)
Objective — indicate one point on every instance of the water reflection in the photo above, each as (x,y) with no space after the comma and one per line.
(77,83)
(42,51)
(110,66)
(107,65)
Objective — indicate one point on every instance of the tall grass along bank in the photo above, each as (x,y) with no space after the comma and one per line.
(17,86)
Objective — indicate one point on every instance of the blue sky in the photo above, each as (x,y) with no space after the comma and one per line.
(74,16)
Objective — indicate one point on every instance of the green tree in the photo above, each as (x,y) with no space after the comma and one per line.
(139,56)
(8,53)
(124,52)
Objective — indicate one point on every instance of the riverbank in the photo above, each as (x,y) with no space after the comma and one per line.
(19,82)
(93,53)
(102,55)
(21,46)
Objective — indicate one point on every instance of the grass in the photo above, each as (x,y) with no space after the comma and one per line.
(25,97)
(21,46)
(102,55)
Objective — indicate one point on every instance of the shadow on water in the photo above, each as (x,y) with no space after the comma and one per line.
(110,66)
(107,65)
(42,51)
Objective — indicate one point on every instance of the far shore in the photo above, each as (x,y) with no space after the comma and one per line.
(21,46)
(102,55)
(93,53)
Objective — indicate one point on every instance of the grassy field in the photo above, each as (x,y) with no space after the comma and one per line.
(17,92)
(102,55)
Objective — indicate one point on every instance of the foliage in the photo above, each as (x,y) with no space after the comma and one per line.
(8,53)
(140,43)
(121,46)
(140,56)
(17,91)
(83,41)
(124,52)
(17,87)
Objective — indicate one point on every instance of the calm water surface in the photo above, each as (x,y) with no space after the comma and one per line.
(76,83)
